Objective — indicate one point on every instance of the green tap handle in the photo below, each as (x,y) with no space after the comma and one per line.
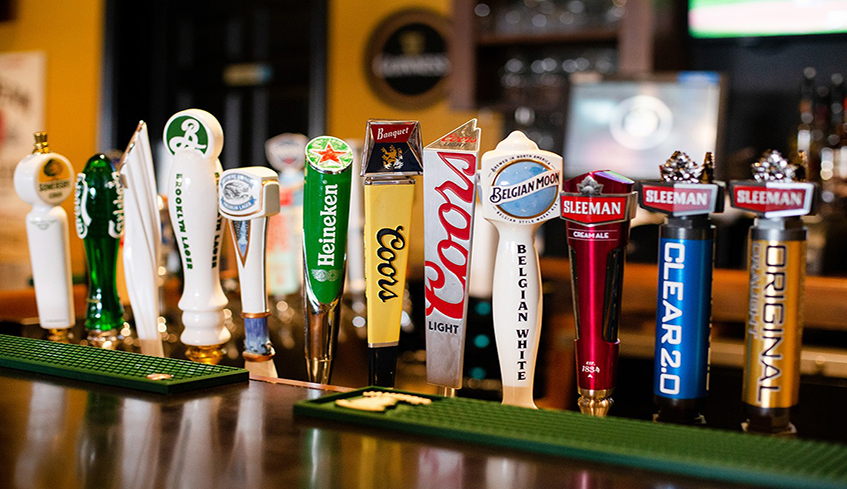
(98,205)
(326,211)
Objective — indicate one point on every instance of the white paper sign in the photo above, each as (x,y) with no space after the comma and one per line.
(22,80)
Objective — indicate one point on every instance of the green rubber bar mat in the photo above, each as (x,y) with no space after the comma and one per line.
(112,367)
(698,452)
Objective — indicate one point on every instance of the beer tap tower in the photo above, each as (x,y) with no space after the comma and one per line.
(43,180)
(597,207)
(519,189)
(392,156)
(248,196)
(195,139)
(686,194)
(449,203)
(778,196)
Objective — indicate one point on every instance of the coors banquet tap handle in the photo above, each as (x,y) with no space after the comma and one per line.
(449,195)
(392,155)
(326,210)
(98,204)
(777,268)
(519,188)
(686,195)
(597,207)
(43,180)
(195,139)
(248,196)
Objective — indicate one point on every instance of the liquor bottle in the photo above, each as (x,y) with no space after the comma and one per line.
(98,205)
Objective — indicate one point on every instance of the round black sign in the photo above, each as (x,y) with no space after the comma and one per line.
(407,60)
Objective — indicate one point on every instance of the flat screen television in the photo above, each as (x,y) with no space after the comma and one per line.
(764,18)
(633,125)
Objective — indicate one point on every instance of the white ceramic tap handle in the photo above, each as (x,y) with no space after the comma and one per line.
(44,180)
(519,189)
(195,138)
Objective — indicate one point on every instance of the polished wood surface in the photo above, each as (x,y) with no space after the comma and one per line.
(65,434)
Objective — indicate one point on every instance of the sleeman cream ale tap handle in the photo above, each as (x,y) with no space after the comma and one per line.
(392,156)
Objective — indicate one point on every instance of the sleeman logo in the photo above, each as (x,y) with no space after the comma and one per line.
(187,132)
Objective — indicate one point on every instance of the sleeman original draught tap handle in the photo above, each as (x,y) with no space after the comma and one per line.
(392,155)
(195,139)
(326,211)
(597,207)
(43,179)
(449,201)
(519,190)
(248,196)
(98,202)
(777,267)
(686,194)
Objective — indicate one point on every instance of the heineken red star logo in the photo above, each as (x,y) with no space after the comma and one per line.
(322,154)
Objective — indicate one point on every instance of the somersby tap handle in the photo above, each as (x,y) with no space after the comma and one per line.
(43,179)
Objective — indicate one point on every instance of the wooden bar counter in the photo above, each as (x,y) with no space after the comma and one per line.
(66,434)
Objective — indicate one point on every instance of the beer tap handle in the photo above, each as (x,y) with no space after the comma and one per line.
(43,180)
(248,196)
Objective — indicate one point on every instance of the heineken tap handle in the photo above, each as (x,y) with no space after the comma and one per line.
(98,204)
(43,179)
(195,139)
(519,188)
(326,210)
(248,196)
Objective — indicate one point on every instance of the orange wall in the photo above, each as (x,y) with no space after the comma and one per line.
(351,102)
(71,33)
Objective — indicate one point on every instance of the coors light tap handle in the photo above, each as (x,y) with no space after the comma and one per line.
(326,211)
(248,196)
(195,139)
(98,204)
(43,180)
(777,268)
(519,188)
(449,198)
(686,195)
(597,207)
(392,155)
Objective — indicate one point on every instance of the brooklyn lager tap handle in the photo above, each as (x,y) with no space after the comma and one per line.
(519,188)
(43,179)
(195,139)
(98,203)
(326,211)
(248,196)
